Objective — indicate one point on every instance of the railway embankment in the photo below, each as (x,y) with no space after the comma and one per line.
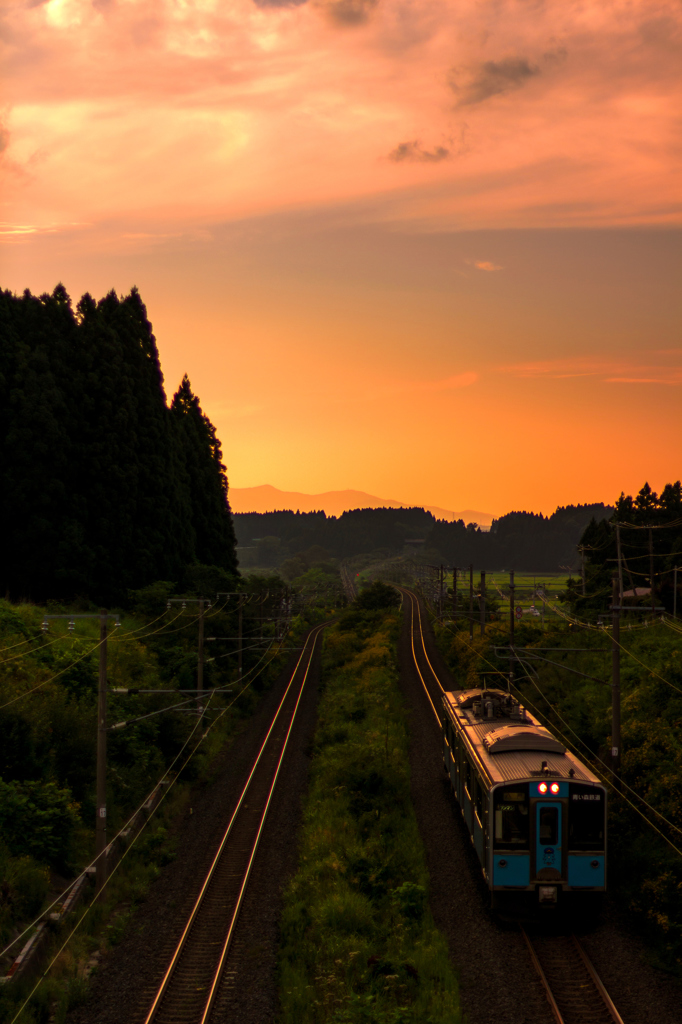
(359,942)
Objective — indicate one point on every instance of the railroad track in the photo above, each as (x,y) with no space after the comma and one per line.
(573,988)
(202,968)
(426,672)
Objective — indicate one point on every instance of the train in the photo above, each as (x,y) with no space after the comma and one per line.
(535,813)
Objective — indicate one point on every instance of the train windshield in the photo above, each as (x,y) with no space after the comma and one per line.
(586,818)
(511,818)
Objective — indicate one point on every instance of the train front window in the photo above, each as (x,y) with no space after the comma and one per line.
(511,818)
(586,818)
(548,826)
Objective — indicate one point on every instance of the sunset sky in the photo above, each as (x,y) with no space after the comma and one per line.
(426,249)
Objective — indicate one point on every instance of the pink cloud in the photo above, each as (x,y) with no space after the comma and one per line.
(150,111)
(608,370)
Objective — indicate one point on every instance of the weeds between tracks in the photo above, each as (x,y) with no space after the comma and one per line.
(358,940)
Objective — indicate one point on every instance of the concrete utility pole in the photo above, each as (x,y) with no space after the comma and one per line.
(481,602)
(651,570)
(202,602)
(454,594)
(101,797)
(581,549)
(512,588)
(471,601)
(620,564)
(200,663)
(101,757)
(239,634)
(675,591)
(615,677)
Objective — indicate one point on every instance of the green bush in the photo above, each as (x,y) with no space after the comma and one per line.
(38,819)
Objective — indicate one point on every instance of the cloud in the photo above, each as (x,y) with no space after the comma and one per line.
(493,78)
(675,378)
(4,139)
(414,153)
(279,3)
(609,371)
(350,12)
(486,265)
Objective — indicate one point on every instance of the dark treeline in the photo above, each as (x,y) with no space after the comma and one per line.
(280,535)
(650,537)
(526,541)
(519,540)
(104,488)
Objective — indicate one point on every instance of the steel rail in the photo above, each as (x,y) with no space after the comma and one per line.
(309,650)
(414,601)
(599,995)
(599,985)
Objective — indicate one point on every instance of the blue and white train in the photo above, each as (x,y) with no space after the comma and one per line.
(536,814)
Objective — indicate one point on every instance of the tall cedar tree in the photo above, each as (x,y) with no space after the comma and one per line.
(210,510)
(95,471)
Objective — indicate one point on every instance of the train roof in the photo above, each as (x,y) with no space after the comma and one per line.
(512,744)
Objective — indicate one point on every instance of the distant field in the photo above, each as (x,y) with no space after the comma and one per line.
(528,593)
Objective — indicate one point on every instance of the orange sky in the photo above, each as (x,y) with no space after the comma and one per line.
(428,250)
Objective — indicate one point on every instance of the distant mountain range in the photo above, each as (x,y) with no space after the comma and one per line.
(270,499)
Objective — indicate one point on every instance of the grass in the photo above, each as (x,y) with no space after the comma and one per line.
(358,940)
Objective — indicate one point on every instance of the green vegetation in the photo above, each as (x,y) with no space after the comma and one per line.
(103,487)
(48,696)
(358,941)
(645,872)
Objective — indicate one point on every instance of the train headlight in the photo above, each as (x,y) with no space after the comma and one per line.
(542,788)
(554,787)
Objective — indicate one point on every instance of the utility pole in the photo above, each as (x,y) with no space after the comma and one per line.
(454,594)
(471,601)
(581,549)
(481,602)
(620,564)
(615,678)
(651,570)
(512,588)
(675,591)
(200,664)
(101,757)
(101,797)
(184,601)
(239,634)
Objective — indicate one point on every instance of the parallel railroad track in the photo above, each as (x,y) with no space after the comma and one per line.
(573,988)
(201,970)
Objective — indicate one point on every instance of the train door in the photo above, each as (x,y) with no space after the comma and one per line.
(549,847)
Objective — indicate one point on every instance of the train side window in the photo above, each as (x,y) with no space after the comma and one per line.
(586,818)
(511,818)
